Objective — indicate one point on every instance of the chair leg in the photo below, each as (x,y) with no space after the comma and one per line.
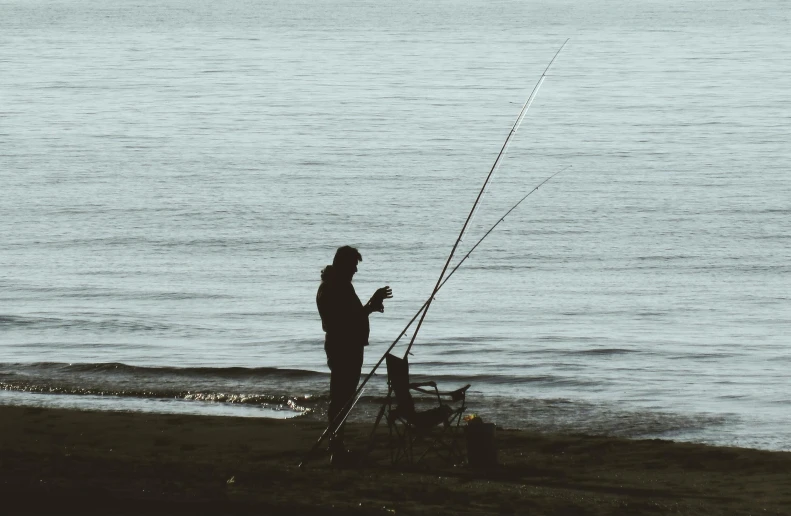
(390,443)
(446,443)
(458,449)
(399,443)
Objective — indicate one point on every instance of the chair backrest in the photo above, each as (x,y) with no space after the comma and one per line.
(398,378)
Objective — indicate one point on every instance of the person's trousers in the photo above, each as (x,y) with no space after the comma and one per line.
(345,369)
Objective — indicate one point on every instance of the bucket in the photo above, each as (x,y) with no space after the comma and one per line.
(481,446)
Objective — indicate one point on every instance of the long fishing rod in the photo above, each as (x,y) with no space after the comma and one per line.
(361,388)
(518,121)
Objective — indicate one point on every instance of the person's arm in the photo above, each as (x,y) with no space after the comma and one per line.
(331,311)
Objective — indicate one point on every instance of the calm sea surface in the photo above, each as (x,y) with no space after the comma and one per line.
(174,174)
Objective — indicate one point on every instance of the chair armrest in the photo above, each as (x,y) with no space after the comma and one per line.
(458,394)
(418,385)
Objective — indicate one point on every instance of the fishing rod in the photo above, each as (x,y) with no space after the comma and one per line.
(427,304)
(496,164)
(357,395)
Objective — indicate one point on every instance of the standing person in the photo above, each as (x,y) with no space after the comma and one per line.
(345,322)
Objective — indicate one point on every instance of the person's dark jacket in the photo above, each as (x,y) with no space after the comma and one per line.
(343,317)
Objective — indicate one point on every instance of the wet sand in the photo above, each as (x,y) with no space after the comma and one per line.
(65,461)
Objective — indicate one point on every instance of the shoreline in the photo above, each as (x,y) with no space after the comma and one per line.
(71,461)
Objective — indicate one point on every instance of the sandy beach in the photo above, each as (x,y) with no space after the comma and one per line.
(63,461)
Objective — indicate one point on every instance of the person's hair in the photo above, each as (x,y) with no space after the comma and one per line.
(346,255)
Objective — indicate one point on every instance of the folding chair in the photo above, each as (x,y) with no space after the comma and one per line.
(435,430)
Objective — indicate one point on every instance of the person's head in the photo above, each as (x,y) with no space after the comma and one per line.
(345,262)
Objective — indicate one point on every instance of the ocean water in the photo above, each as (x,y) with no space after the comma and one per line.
(174,175)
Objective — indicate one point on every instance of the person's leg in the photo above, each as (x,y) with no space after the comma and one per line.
(335,363)
(345,376)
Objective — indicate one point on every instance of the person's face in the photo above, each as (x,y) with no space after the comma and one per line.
(348,270)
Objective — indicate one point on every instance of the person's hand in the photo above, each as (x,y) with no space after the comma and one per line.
(377,300)
(382,294)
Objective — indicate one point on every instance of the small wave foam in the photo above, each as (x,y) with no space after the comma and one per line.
(299,390)
(577,416)
(298,403)
(305,393)
(483,379)
(120,368)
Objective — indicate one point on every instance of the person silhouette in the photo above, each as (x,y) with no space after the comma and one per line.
(344,320)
